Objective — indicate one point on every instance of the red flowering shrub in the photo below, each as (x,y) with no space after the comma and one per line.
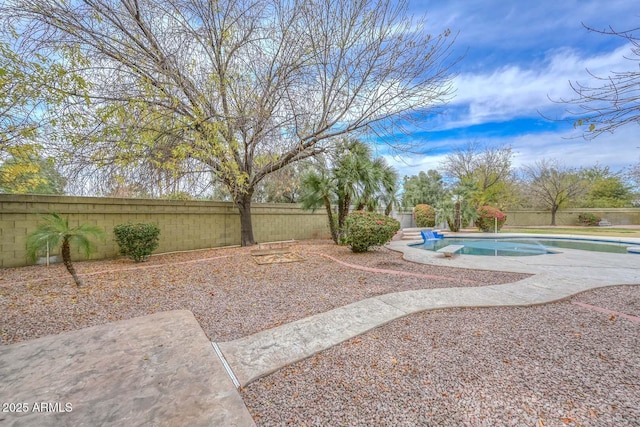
(487,216)
(367,229)
(425,216)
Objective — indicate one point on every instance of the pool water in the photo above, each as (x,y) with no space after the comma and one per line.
(522,246)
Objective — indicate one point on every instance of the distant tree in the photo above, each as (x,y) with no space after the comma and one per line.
(605,189)
(31,175)
(612,101)
(244,88)
(457,208)
(284,185)
(487,169)
(424,188)
(552,185)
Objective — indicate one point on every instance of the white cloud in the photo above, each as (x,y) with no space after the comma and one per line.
(512,91)
(617,151)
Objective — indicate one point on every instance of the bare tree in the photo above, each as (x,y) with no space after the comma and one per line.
(483,168)
(552,185)
(246,86)
(613,101)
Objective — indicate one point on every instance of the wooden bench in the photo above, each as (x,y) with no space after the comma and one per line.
(450,250)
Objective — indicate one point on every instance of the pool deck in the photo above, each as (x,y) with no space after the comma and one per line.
(162,370)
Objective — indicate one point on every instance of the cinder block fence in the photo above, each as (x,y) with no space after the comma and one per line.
(184,225)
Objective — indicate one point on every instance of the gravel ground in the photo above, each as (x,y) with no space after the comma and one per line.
(228,292)
(551,365)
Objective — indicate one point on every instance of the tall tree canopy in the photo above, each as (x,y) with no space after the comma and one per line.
(424,188)
(245,87)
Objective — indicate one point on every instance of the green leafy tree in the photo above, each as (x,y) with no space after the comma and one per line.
(33,87)
(55,232)
(424,188)
(604,189)
(31,175)
(379,186)
(244,88)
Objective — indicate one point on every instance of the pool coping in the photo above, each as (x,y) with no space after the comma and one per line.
(552,250)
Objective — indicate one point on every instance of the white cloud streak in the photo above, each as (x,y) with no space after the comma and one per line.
(512,91)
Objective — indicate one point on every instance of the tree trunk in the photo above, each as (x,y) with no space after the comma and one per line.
(332,223)
(457,221)
(66,260)
(343,212)
(246,226)
(554,209)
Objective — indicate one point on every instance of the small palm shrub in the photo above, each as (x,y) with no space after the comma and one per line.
(368,229)
(588,219)
(137,241)
(487,215)
(56,232)
(425,216)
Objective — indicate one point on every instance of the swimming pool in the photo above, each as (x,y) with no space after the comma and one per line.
(525,246)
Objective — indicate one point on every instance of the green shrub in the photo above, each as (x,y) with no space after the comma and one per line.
(425,216)
(367,229)
(137,241)
(487,215)
(588,219)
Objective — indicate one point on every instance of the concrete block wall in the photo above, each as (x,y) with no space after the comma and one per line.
(616,216)
(184,225)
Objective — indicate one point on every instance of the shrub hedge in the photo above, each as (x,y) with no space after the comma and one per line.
(588,219)
(137,241)
(425,216)
(487,216)
(367,229)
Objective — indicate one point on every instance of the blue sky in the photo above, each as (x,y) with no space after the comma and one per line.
(518,55)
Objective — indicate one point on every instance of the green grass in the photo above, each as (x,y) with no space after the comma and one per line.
(597,231)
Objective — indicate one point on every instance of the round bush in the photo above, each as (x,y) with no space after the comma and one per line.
(137,241)
(367,229)
(425,216)
(487,216)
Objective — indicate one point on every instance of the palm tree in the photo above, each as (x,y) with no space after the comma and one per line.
(351,177)
(317,191)
(56,232)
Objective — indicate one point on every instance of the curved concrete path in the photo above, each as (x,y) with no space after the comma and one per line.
(555,277)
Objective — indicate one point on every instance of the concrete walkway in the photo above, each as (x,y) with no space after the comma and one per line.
(555,277)
(157,370)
